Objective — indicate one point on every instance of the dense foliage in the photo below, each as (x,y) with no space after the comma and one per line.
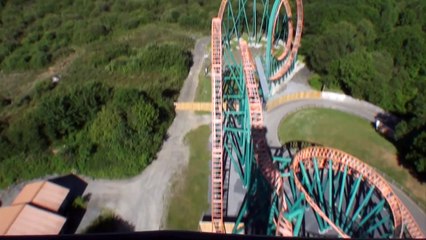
(374,50)
(121,65)
(34,34)
(93,129)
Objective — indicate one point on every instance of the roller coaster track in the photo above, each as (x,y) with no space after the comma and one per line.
(290,29)
(297,38)
(261,151)
(387,214)
(357,169)
(217,131)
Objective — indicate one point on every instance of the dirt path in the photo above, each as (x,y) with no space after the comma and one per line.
(142,200)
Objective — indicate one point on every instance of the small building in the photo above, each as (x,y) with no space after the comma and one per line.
(43,194)
(24,219)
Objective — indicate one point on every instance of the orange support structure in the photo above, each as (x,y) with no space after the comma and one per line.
(409,222)
(296,42)
(217,131)
(401,216)
(222,8)
(290,29)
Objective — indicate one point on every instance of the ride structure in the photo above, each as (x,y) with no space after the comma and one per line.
(313,191)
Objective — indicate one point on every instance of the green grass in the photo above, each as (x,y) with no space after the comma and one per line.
(301,58)
(204,89)
(315,82)
(355,136)
(189,199)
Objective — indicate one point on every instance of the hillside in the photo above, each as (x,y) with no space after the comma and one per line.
(120,66)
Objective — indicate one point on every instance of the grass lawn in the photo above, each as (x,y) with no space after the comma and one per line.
(355,136)
(204,88)
(189,199)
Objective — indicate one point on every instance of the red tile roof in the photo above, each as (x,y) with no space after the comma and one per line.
(25,219)
(44,194)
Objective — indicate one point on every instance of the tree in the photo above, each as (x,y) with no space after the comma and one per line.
(417,153)
(338,40)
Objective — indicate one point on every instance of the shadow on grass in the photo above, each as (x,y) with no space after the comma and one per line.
(389,122)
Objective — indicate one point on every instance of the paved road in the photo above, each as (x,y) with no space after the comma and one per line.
(274,117)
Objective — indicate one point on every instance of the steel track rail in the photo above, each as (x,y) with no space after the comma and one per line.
(296,43)
(261,151)
(217,130)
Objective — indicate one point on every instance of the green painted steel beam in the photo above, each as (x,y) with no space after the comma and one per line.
(374,211)
(342,189)
(360,208)
(241,213)
(234,162)
(330,190)
(324,225)
(281,159)
(378,224)
(305,179)
(353,195)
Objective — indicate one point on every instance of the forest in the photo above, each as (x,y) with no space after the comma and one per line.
(376,51)
(121,66)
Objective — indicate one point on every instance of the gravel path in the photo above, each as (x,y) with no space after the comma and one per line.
(142,200)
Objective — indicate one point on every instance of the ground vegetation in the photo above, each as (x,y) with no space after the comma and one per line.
(374,50)
(120,66)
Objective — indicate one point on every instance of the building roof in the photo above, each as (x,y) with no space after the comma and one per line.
(44,194)
(25,219)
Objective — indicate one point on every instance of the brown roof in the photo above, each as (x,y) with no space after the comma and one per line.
(44,194)
(25,219)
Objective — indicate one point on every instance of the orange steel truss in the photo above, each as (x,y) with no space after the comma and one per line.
(357,168)
(222,8)
(290,29)
(409,222)
(297,38)
(217,131)
(263,158)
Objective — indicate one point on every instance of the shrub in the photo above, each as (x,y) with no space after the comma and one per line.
(39,59)
(315,82)
(63,114)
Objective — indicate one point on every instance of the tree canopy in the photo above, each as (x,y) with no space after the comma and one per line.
(376,51)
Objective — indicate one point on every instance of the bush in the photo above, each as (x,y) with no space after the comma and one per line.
(43,87)
(26,134)
(40,59)
(155,58)
(127,133)
(67,113)
(315,82)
